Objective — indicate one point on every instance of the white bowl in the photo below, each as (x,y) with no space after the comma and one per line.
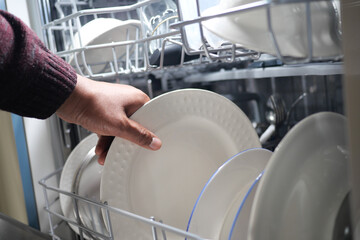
(188,11)
(102,31)
(250,28)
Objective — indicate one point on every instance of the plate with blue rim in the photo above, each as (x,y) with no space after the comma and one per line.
(218,203)
(240,225)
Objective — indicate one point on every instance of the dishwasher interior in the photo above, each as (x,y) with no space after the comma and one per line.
(272,90)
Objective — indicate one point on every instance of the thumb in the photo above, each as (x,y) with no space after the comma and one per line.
(141,136)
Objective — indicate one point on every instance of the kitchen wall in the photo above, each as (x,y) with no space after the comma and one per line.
(11,190)
(38,133)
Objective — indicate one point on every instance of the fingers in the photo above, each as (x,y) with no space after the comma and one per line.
(141,136)
(101,159)
(133,132)
(102,147)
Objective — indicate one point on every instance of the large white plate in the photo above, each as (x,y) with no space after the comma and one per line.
(219,201)
(304,183)
(289,24)
(88,182)
(102,31)
(200,130)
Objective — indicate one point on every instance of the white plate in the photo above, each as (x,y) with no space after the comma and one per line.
(240,225)
(219,201)
(304,183)
(200,130)
(289,24)
(88,184)
(101,31)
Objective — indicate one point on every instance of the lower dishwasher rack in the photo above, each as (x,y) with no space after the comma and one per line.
(52,193)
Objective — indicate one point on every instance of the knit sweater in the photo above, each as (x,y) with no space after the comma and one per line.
(33,81)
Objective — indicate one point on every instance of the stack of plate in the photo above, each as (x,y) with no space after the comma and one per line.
(81,175)
(300,194)
(212,179)
(200,130)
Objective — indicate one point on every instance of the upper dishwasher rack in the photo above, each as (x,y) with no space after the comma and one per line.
(135,55)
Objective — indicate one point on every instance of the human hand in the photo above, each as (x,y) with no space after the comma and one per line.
(105,108)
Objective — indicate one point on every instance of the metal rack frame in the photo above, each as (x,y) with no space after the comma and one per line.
(106,209)
(268,4)
(139,61)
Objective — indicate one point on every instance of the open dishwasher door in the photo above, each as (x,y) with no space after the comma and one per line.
(274,91)
(351,83)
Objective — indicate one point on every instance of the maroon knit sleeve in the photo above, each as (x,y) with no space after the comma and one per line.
(33,81)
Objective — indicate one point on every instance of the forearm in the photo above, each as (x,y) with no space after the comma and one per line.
(36,83)
(33,81)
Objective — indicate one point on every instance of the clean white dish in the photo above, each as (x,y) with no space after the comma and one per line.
(219,201)
(82,170)
(156,18)
(250,28)
(200,130)
(304,183)
(101,31)
(189,11)
(240,225)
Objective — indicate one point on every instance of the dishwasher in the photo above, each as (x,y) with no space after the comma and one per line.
(175,50)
